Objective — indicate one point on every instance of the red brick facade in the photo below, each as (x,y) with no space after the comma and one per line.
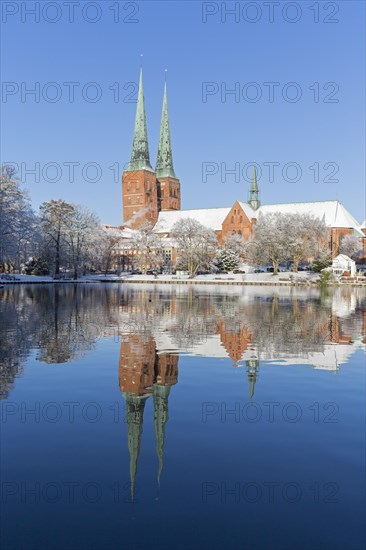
(139,197)
(236,222)
(168,194)
(143,197)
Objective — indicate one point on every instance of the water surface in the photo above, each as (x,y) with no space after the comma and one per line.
(183,417)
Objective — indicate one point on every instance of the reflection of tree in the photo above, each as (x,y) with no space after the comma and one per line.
(194,320)
(60,321)
(68,328)
(63,321)
(16,333)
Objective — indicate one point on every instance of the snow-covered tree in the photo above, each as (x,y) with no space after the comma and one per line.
(232,252)
(83,231)
(18,226)
(148,247)
(322,259)
(227,260)
(270,241)
(305,236)
(108,244)
(235,243)
(195,243)
(350,246)
(280,237)
(55,220)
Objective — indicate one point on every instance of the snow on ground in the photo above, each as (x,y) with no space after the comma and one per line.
(267,278)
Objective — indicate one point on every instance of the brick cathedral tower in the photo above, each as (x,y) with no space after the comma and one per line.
(139,185)
(168,183)
(146,192)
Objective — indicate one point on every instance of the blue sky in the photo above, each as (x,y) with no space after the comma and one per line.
(314,141)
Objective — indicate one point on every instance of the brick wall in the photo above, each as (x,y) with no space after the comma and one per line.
(139,198)
(237,222)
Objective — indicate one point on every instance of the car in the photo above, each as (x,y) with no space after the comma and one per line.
(151,272)
(136,272)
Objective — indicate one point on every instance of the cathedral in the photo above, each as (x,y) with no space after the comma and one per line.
(154,196)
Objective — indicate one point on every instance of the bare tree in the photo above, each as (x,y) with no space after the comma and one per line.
(17,221)
(196,244)
(270,241)
(55,220)
(305,234)
(148,247)
(82,233)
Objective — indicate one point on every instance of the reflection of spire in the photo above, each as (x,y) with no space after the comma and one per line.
(252,369)
(134,417)
(161,394)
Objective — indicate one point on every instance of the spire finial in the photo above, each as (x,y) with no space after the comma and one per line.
(165,75)
(141,59)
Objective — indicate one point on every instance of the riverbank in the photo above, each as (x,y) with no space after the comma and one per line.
(282,279)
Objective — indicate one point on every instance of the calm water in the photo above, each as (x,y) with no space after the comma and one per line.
(156,417)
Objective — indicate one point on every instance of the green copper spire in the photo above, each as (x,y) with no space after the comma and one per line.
(164,163)
(134,417)
(161,394)
(254,201)
(140,159)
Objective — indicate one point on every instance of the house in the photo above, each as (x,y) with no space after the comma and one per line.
(343,264)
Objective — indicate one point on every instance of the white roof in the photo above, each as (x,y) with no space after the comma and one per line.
(333,212)
(115,231)
(248,210)
(211,218)
(363,226)
(342,258)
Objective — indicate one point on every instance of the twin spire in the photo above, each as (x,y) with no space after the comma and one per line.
(140,158)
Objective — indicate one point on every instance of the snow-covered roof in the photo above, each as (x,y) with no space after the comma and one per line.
(342,258)
(115,231)
(363,225)
(211,218)
(248,210)
(333,213)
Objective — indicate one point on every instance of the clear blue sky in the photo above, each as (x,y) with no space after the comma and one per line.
(223,51)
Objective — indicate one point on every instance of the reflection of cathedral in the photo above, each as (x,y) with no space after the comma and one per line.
(142,372)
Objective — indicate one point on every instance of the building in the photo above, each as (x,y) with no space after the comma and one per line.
(154,196)
(343,264)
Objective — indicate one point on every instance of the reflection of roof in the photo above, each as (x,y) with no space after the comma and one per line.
(329,358)
(332,356)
